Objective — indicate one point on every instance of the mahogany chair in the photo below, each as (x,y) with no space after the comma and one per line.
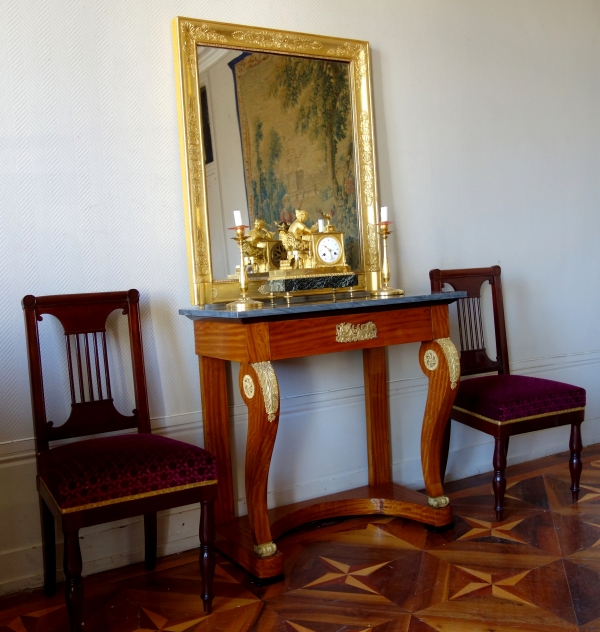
(108,478)
(503,405)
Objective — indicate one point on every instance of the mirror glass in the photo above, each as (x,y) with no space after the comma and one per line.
(278,136)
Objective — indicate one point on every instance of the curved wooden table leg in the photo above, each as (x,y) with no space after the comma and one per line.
(440,363)
(260,390)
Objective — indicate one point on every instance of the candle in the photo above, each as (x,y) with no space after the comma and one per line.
(321,225)
(384,214)
(237,218)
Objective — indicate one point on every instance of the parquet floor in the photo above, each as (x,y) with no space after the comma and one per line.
(537,570)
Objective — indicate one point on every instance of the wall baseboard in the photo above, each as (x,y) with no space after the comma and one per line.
(21,569)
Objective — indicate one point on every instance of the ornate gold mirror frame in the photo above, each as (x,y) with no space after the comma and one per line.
(188,34)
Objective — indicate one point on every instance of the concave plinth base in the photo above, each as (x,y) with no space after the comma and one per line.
(235,540)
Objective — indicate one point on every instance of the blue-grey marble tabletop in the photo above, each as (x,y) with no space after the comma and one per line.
(311,304)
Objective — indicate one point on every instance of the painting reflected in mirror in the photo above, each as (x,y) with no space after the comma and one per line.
(291,142)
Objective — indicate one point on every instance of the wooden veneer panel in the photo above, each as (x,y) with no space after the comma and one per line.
(317,336)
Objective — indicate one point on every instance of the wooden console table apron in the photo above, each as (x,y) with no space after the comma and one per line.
(256,339)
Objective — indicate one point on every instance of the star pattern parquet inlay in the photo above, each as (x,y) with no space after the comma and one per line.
(537,570)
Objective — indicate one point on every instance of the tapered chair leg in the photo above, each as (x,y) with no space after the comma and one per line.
(150,539)
(575,465)
(499,483)
(207,552)
(74,586)
(48,549)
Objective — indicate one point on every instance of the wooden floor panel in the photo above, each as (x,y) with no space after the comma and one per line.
(537,570)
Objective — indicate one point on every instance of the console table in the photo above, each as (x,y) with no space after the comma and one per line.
(257,338)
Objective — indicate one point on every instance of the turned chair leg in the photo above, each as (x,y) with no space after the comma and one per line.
(575,465)
(74,586)
(150,540)
(499,482)
(207,553)
(48,549)
(445,449)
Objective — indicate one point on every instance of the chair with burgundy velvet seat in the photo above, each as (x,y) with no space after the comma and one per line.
(503,405)
(102,479)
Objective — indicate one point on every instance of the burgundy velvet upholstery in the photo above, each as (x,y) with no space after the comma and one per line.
(508,397)
(112,468)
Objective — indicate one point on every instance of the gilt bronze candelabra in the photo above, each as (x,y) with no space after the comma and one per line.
(244,303)
(385,290)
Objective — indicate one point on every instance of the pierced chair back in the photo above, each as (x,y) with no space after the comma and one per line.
(503,405)
(107,478)
(474,358)
(92,407)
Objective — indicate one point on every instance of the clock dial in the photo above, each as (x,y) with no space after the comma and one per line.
(329,250)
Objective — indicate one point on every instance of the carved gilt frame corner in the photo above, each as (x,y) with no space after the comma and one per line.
(188,33)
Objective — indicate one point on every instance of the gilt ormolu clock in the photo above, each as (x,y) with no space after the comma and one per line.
(328,251)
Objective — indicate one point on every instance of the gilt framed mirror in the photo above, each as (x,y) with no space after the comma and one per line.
(272,122)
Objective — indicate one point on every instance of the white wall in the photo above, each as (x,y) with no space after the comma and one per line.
(488,146)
